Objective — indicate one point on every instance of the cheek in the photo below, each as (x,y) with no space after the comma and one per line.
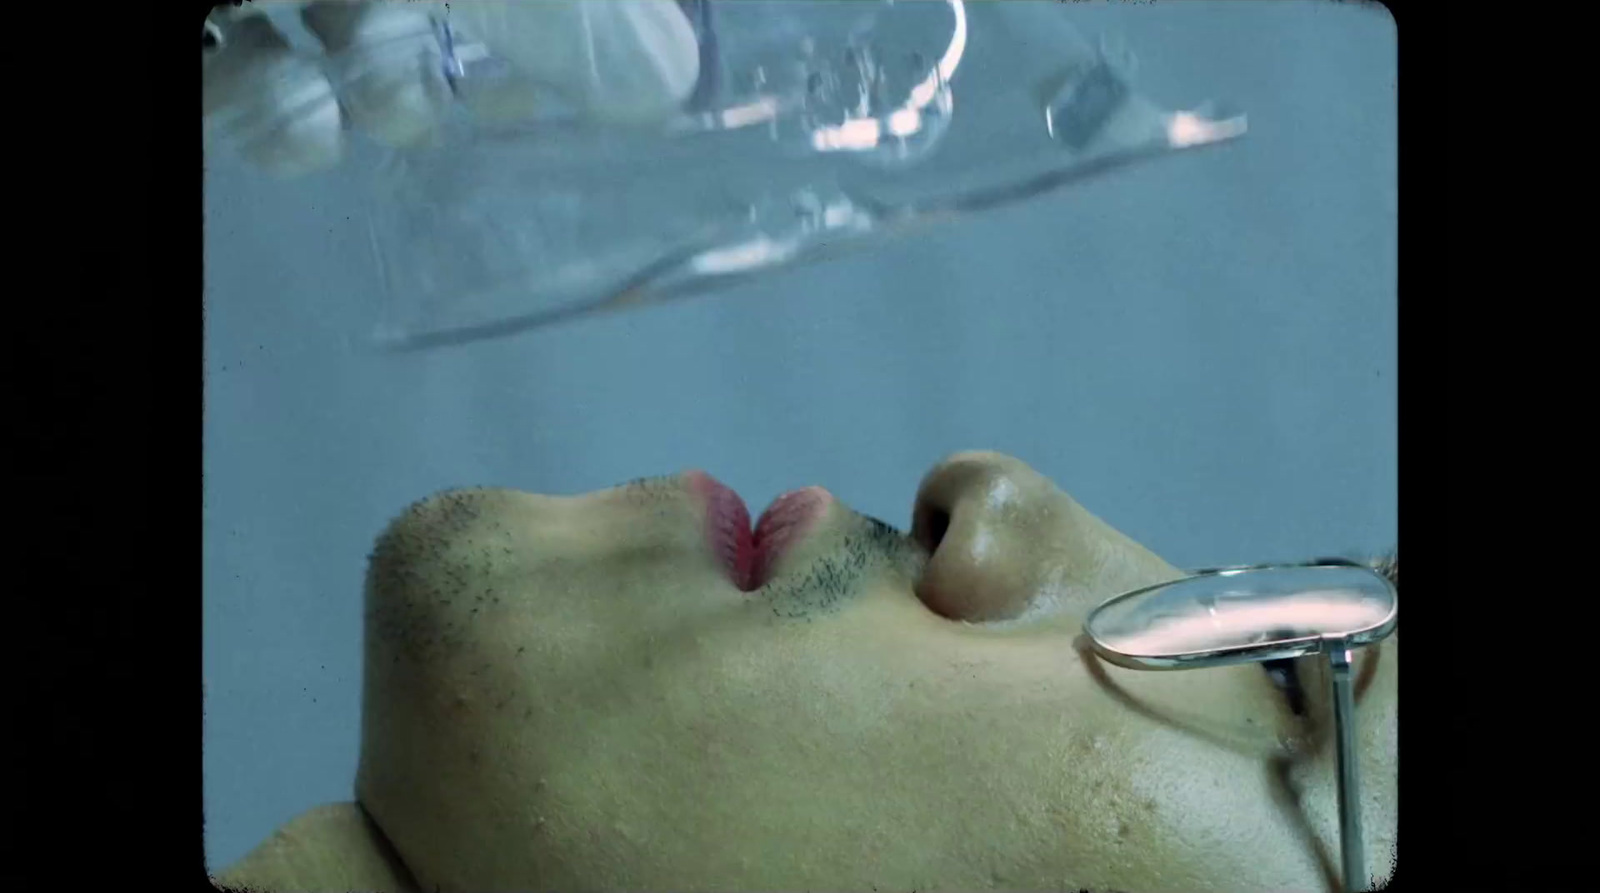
(726,760)
(815,754)
(1211,813)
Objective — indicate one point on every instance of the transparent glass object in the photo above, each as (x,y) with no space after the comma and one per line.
(816,126)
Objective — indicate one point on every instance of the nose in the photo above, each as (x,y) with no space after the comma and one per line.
(1006,542)
(991,525)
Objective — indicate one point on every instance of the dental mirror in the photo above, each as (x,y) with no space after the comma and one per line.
(1254,614)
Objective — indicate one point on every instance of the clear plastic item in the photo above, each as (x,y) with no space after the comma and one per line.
(815,126)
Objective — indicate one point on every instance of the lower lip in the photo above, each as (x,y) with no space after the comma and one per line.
(750,555)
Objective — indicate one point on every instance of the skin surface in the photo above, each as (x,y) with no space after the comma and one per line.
(568,693)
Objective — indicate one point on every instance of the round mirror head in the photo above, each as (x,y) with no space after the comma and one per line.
(1239,615)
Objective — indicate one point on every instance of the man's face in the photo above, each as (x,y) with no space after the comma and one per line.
(579,693)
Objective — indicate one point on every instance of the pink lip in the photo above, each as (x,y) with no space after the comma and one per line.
(749,555)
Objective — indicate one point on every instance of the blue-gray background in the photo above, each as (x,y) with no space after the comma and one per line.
(1202,351)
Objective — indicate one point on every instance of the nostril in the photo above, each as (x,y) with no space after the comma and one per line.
(929,526)
(210,37)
